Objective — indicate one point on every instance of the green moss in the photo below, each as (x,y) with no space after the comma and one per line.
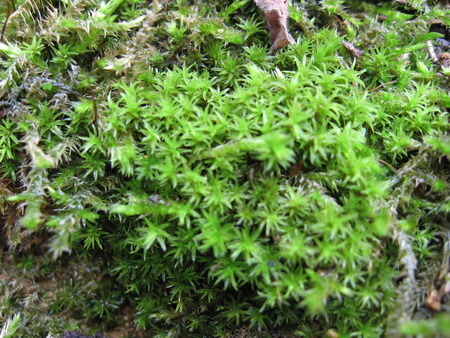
(212,185)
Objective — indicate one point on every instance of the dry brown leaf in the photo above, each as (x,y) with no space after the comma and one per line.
(433,301)
(276,14)
(332,334)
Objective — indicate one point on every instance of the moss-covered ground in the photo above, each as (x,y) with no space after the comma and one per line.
(162,173)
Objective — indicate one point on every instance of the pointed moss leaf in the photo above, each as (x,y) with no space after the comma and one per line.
(233,36)
(412,48)
(33,216)
(234,7)
(382,223)
(9,49)
(440,144)
(423,328)
(428,36)
(21,197)
(12,325)
(153,232)
(40,159)
(131,210)
(273,149)
(69,23)
(84,106)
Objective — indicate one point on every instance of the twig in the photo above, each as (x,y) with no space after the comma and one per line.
(380,86)
(8,14)
(387,165)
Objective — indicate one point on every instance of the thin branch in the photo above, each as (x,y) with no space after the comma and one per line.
(380,86)
(387,165)
(8,14)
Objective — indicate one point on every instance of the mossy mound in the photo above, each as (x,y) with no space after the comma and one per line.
(168,173)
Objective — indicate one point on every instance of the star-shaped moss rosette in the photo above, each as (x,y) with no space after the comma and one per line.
(276,13)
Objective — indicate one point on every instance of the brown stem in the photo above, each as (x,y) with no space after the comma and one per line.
(8,14)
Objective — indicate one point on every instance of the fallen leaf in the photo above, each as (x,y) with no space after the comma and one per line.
(276,14)
(433,301)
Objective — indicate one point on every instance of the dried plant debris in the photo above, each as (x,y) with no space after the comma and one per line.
(355,52)
(433,300)
(444,60)
(276,13)
(78,334)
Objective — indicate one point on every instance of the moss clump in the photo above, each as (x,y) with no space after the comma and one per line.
(193,177)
